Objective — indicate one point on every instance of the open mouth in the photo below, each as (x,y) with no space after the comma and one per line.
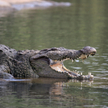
(59,66)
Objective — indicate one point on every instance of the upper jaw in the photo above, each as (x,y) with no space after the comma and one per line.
(84,56)
(86,51)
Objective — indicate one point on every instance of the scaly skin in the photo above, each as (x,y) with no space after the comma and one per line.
(44,63)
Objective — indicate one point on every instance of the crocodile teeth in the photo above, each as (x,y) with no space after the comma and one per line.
(72,60)
(89,73)
(77,72)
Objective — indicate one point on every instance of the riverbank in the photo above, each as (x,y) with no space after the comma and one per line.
(7,6)
(25,4)
(18,1)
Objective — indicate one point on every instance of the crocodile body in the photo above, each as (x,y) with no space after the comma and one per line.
(43,63)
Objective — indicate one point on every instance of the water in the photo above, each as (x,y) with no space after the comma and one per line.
(82,24)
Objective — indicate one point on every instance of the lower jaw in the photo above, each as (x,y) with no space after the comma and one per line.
(61,68)
(72,74)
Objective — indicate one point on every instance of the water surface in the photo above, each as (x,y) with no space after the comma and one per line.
(82,24)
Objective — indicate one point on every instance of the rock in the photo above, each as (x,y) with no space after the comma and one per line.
(31,4)
(37,4)
(4,4)
(8,6)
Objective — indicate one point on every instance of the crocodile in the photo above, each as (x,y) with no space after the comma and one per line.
(42,63)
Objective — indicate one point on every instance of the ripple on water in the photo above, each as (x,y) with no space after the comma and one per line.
(75,67)
(93,106)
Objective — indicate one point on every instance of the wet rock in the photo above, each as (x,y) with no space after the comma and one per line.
(5,75)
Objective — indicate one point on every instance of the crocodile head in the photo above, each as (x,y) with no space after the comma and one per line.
(86,51)
(49,62)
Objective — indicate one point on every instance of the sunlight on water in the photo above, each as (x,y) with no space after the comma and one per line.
(17,80)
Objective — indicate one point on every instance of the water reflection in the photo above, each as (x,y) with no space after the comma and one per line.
(41,91)
(50,92)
